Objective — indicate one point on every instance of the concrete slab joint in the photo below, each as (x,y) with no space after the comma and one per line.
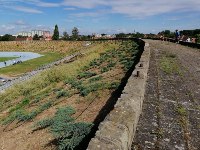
(117,131)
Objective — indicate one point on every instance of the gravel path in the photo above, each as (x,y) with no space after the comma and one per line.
(29,75)
(171,109)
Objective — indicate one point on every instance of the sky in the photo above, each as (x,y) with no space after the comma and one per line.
(99,16)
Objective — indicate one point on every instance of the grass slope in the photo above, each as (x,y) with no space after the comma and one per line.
(2,59)
(30,65)
(69,87)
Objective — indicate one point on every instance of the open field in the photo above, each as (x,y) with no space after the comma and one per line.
(60,104)
(51,50)
(41,46)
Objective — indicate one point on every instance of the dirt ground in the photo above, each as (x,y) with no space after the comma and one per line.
(171,110)
(21,135)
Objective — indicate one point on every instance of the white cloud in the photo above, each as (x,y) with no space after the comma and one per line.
(7,27)
(88,4)
(88,14)
(19,22)
(41,3)
(138,8)
(131,8)
(25,9)
(19,5)
(70,8)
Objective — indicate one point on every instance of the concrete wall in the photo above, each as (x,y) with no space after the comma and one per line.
(117,131)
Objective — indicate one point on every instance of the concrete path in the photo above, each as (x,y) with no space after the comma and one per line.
(171,111)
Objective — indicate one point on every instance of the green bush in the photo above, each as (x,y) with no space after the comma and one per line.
(94,63)
(104,69)
(65,130)
(95,79)
(43,123)
(62,94)
(86,74)
(113,85)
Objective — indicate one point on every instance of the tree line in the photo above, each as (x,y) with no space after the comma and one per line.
(56,36)
(74,36)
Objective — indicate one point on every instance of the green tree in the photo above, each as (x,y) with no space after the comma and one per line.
(75,33)
(65,35)
(197,36)
(36,37)
(120,35)
(7,37)
(56,33)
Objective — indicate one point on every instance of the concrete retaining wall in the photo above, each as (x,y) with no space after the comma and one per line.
(117,131)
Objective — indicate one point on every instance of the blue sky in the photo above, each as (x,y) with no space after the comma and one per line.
(99,16)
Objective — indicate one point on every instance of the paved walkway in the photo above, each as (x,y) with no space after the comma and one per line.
(171,109)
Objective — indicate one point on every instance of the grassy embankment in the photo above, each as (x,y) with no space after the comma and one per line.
(30,65)
(89,79)
(52,51)
(2,59)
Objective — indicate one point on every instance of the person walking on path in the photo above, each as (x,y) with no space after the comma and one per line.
(177,36)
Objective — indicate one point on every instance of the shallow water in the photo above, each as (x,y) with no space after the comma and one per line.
(23,56)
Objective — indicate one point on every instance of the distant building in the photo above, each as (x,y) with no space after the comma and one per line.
(28,34)
(44,34)
(97,36)
(103,36)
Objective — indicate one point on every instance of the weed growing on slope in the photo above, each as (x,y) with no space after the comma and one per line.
(21,115)
(95,79)
(104,69)
(86,74)
(22,104)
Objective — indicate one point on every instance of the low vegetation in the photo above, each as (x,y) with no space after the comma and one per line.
(30,65)
(169,65)
(91,78)
(2,59)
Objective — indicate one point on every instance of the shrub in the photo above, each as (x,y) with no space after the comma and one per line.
(95,79)
(43,123)
(65,130)
(104,69)
(62,94)
(113,85)
(44,106)
(86,74)
(18,114)
(94,63)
